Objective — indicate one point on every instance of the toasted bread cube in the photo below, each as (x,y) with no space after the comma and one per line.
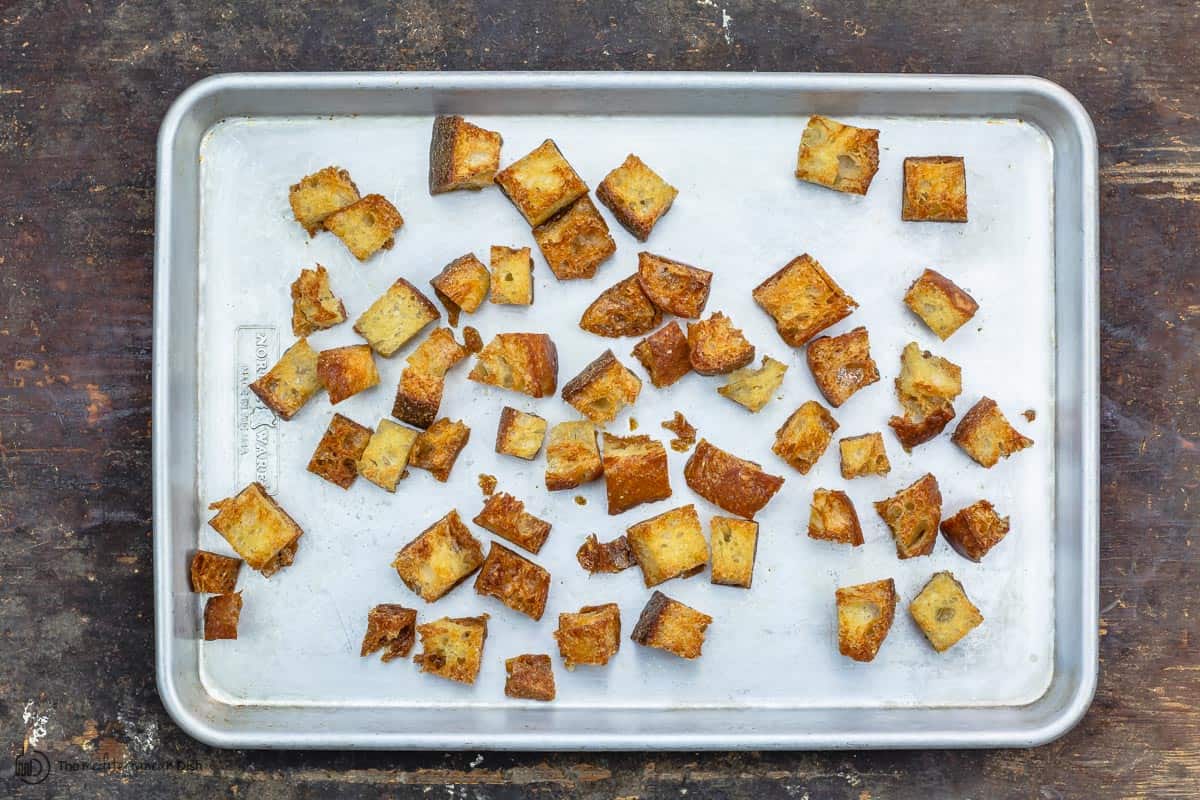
(520,434)
(221,615)
(397,316)
(590,637)
(610,557)
(452,648)
(986,435)
(575,242)
(685,433)
(541,184)
(384,461)
(935,189)
(926,389)
(674,287)
(803,438)
(913,515)
(514,580)
(437,449)
(572,456)
(832,518)
(462,155)
(838,156)
(391,628)
(314,306)
(419,393)
(944,612)
(670,545)
(636,196)
(465,281)
(520,362)
(621,310)
(346,371)
(366,227)
(505,515)
(444,555)
(940,303)
(728,482)
(318,195)
(212,573)
(337,454)
(529,677)
(665,355)
(864,455)
(753,388)
(841,365)
(602,389)
(635,472)
(803,300)
(288,385)
(975,530)
(257,528)
(670,625)
(512,276)
(734,545)
(865,613)
(715,347)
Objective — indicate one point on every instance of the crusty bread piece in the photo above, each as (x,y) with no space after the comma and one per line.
(212,573)
(865,613)
(346,371)
(752,388)
(926,389)
(367,226)
(864,455)
(715,347)
(419,393)
(602,389)
(665,355)
(913,515)
(441,557)
(452,648)
(635,472)
(529,677)
(841,365)
(838,156)
(288,385)
(590,637)
(610,557)
(734,546)
(621,310)
(314,306)
(520,362)
(257,528)
(975,530)
(465,281)
(943,611)
(541,183)
(221,615)
(803,300)
(674,287)
(337,454)
(512,276)
(514,580)
(685,432)
(669,625)
(472,340)
(636,196)
(462,155)
(396,316)
(935,189)
(384,462)
(391,628)
(832,518)
(670,545)
(520,434)
(734,484)
(437,354)
(803,438)
(576,241)
(318,195)
(437,449)
(940,303)
(572,456)
(505,515)
(986,435)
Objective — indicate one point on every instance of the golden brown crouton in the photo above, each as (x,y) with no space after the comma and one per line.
(346,371)
(314,306)
(838,156)
(986,435)
(452,648)
(437,354)
(288,385)
(590,637)
(366,227)
(935,189)
(753,388)
(212,573)
(440,558)
(665,355)
(257,528)
(437,449)
(673,286)
(337,454)
(221,615)
(636,196)
(572,456)
(832,518)
(391,628)
(940,303)
(514,580)
(670,545)
(865,613)
(505,515)
(602,389)
(943,611)
(926,389)
(803,300)
(385,460)
(318,195)
(472,340)
(621,310)
(728,482)
(462,155)
(975,530)
(464,282)
(670,625)
(802,439)
(419,393)
(512,276)
(397,316)
(864,455)
(610,557)
(913,515)
(635,471)
(529,677)
(520,362)
(541,184)
(715,347)
(685,433)
(575,242)
(520,434)
(734,545)
(841,365)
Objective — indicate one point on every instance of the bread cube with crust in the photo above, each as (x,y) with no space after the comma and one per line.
(865,613)
(864,455)
(935,189)
(975,530)
(803,438)
(943,611)
(520,434)
(505,516)
(391,628)
(514,580)
(464,282)
(366,227)
(221,615)
(437,449)
(384,461)
(437,354)
(674,287)
(396,316)
(213,573)
(337,454)
(519,362)
(803,300)
(512,276)
(317,196)
(314,306)
(940,303)
(637,196)
(441,557)
(832,518)
(841,365)
(986,435)
(913,515)
(665,355)
(572,456)
(621,310)
(926,389)
(576,241)
(670,545)
(715,347)
(734,484)
(670,625)
(419,393)
(602,389)
(288,385)
(346,371)
(452,647)
(840,157)
(734,545)
(529,677)
(635,472)
(541,183)
(257,528)
(609,557)
(462,155)
(590,637)
(753,388)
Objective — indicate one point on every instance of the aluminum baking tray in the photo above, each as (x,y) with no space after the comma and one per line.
(770,676)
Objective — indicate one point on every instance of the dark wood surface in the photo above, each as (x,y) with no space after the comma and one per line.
(83,87)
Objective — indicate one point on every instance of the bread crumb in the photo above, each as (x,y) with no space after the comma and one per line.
(487,483)
(472,340)
(580,500)
(1029,414)
(685,434)
(633,423)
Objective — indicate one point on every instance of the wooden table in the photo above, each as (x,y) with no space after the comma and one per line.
(83,87)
